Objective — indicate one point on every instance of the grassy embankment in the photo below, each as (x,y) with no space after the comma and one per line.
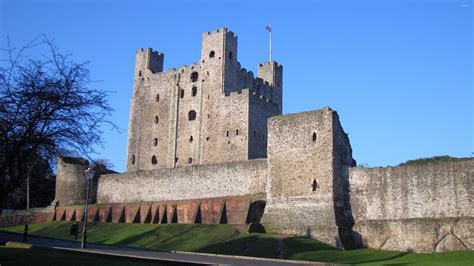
(225,239)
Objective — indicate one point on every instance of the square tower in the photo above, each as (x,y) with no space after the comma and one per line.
(210,112)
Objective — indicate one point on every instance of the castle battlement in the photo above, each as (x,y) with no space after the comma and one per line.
(221,30)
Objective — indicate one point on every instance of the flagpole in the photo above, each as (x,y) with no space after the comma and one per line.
(271,43)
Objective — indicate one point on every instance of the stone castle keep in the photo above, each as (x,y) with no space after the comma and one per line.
(206,113)
(208,143)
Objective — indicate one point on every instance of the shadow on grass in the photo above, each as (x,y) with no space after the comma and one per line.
(47,256)
(305,248)
(253,245)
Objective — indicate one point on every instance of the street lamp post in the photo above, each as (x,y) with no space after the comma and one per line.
(89,174)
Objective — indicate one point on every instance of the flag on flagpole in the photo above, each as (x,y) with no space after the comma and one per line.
(269,28)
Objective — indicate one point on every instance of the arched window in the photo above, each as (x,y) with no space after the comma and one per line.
(194,91)
(133,159)
(157,120)
(194,76)
(155,142)
(157,98)
(314,185)
(154,160)
(212,54)
(190,160)
(314,136)
(191,139)
(192,115)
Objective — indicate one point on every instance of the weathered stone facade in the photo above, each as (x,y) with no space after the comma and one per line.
(185,183)
(191,165)
(426,208)
(70,181)
(306,156)
(210,112)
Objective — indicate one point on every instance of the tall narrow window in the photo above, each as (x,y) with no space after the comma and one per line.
(192,115)
(190,160)
(181,94)
(157,98)
(154,160)
(230,55)
(133,159)
(314,136)
(194,91)
(314,185)
(227,133)
(155,142)
(237,132)
(191,139)
(140,73)
(212,54)
(157,120)
(194,76)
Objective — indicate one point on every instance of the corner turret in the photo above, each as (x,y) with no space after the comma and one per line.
(272,74)
(147,59)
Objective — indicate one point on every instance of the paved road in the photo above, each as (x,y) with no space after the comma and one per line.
(192,258)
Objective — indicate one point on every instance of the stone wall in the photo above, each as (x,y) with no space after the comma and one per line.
(31,216)
(260,109)
(199,181)
(423,208)
(71,182)
(418,235)
(301,197)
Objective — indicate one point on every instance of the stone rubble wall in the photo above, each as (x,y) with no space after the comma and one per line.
(31,216)
(197,181)
(422,208)
(419,235)
(297,162)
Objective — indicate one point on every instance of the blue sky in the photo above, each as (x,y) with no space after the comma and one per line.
(399,73)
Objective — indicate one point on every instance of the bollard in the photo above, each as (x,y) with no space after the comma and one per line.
(25,234)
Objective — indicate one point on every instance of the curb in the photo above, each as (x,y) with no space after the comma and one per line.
(255,258)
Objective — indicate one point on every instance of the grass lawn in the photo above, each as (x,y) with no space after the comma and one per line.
(225,239)
(27,255)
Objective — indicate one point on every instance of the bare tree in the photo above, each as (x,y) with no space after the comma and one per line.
(46,106)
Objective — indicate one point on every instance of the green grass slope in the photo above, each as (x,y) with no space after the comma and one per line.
(225,239)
